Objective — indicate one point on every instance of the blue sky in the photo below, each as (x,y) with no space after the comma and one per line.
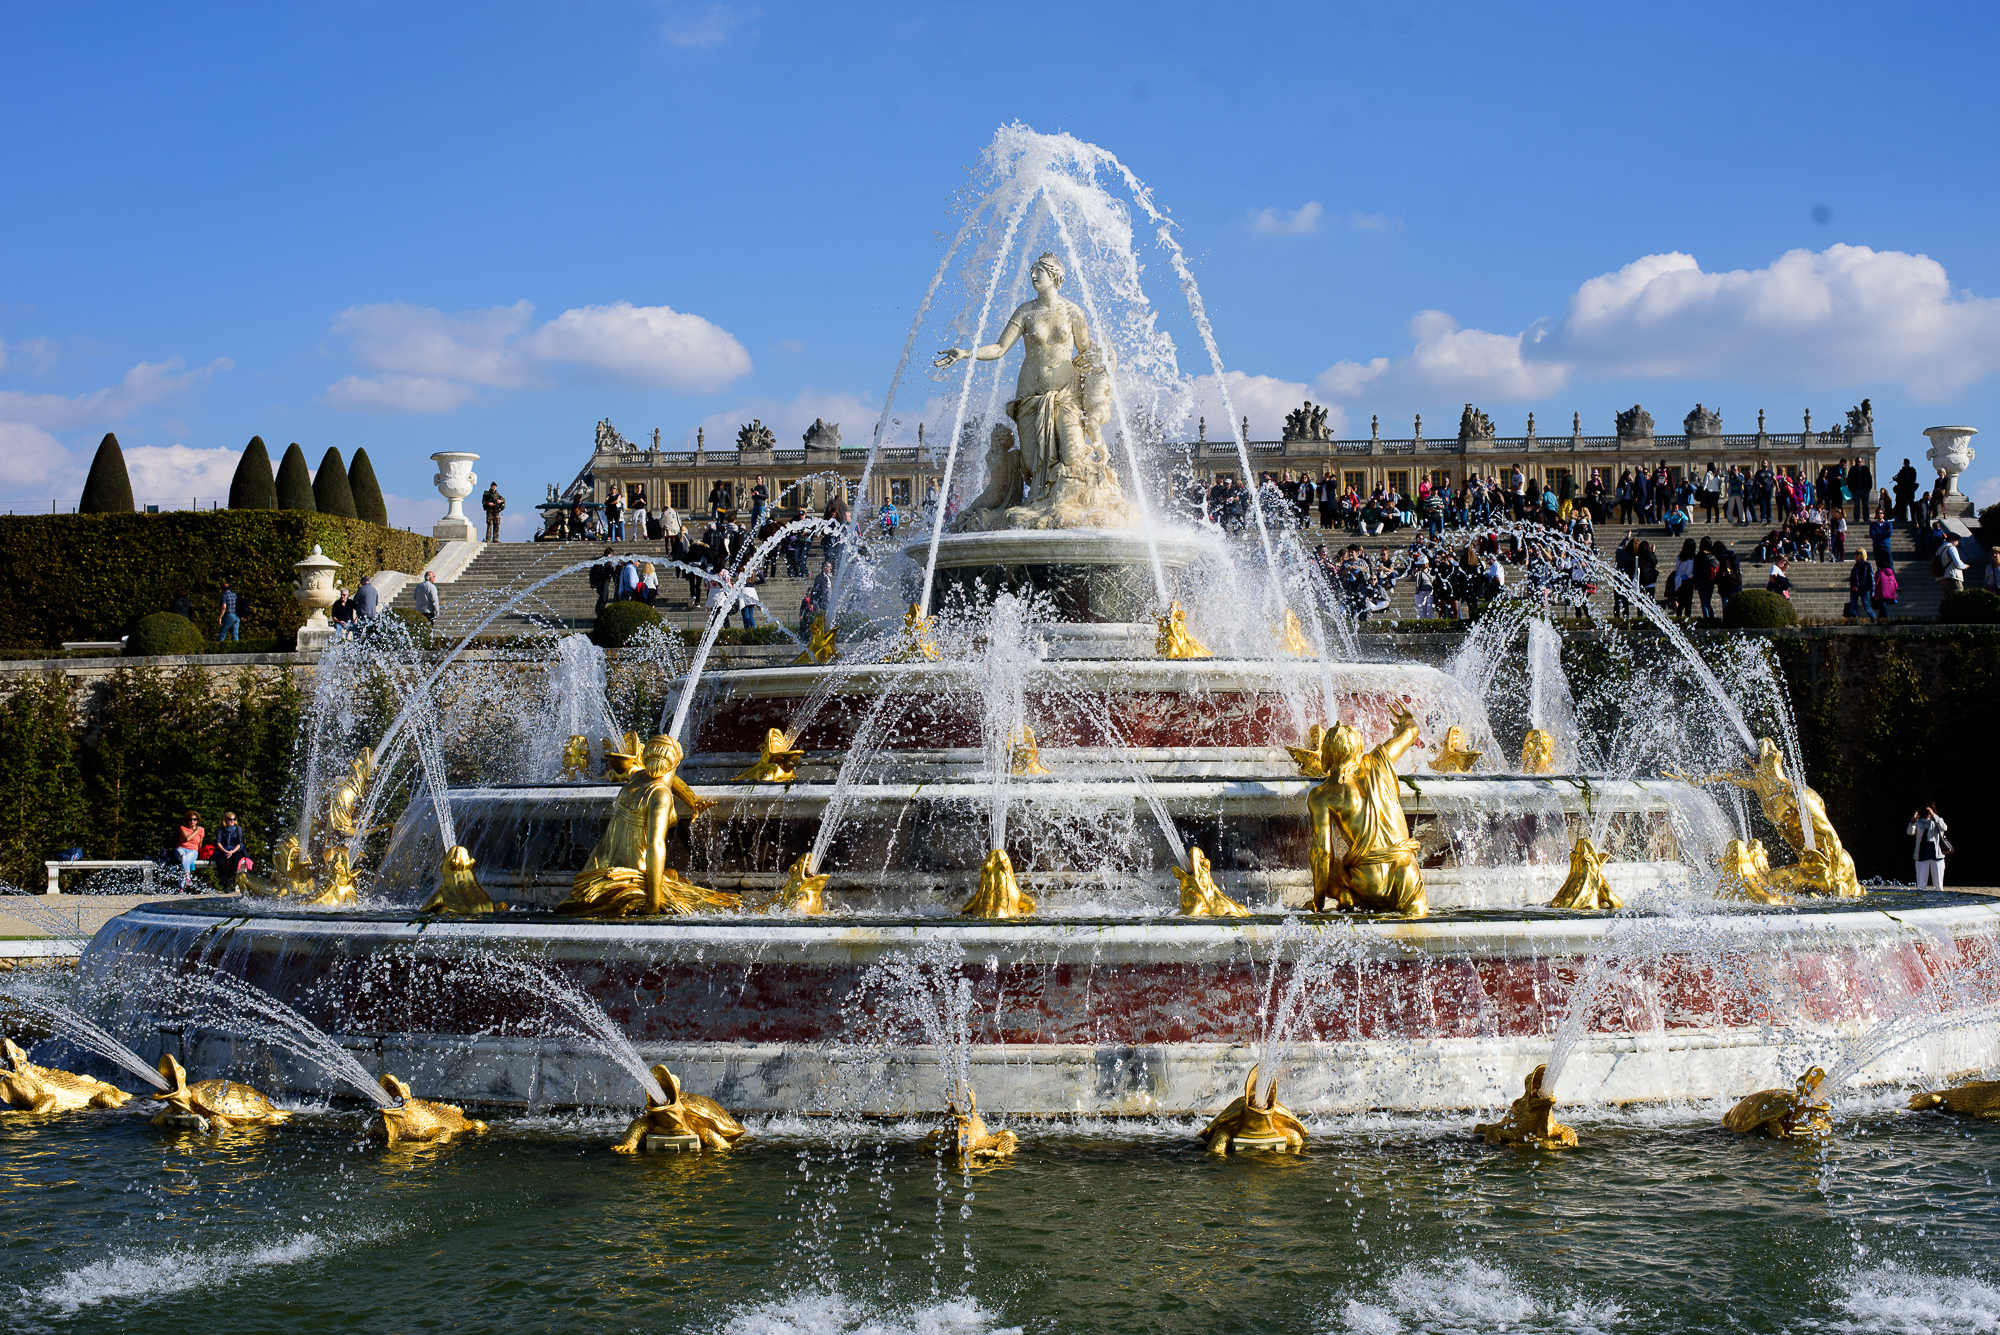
(417,227)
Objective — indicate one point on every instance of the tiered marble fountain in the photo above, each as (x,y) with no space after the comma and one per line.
(1122,780)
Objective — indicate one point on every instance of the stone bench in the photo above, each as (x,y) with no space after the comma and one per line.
(146,870)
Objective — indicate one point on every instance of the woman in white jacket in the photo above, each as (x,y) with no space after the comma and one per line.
(1927,827)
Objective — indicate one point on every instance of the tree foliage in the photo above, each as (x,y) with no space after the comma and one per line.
(253,488)
(295,489)
(330,490)
(368,504)
(108,489)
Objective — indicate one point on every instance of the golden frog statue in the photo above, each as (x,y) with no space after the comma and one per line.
(294,875)
(776,761)
(1975,1098)
(821,647)
(803,892)
(1744,872)
(1826,868)
(967,1137)
(221,1104)
(1452,756)
(682,1114)
(575,758)
(1243,1125)
(415,1119)
(1783,1113)
(1586,887)
(458,889)
(1024,756)
(1530,1120)
(1174,641)
(918,644)
(1538,752)
(1307,757)
(627,873)
(1360,801)
(1201,897)
(999,895)
(1292,637)
(43,1089)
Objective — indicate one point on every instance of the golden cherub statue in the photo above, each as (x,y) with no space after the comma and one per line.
(1200,896)
(967,1136)
(345,802)
(575,757)
(999,896)
(1586,887)
(1744,872)
(342,886)
(820,645)
(623,758)
(1976,1098)
(1024,757)
(1174,641)
(776,761)
(458,889)
(1307,757)
(694,1116)
(1452,756)
(627,873)
(1244,1125)
(1784,1113)
(415,1119)
(1361,800)
(918,644)
(44,1089)
(1292,637)
(1825,868)
(1531,1120)
(1538,752)
(803,892)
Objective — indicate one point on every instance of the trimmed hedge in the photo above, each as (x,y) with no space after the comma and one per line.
(619,622)
(294,486)
(1759,607)
(163,633)
(1970,607)
(89,577)
(330,490)
(108,489)
(368,503)
(252,487)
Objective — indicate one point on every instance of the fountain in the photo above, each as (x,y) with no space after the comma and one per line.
(1114,757)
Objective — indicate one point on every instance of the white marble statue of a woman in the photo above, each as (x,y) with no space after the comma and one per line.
(1062,404)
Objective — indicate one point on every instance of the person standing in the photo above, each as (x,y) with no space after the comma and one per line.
(1993,570)
(1949,564)
(189,848)
(1859,482)
(1860,587)
(603,580)
(181,605)
(1931,847)
(366,599)
(228,626)
(760,501)
(718,500)
(1886,589)
(1761,485)
(427,597)
(614,517)
(1648,562)
(493,503)
(228,851)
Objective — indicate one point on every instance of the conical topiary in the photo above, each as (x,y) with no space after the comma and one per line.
(108,489)
(367,491)
(252,487)
(330,490)
(295,488)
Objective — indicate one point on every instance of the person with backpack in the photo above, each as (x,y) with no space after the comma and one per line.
(604,580)
(1931,847)
(1860,584)
(1947,566)
(1706,568)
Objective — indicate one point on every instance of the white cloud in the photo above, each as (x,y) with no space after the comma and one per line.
(704,27)
(40,354)
(429,361)
(1289,222)
(144,384)
(1986,491)
(175,476)
(1264,399)
(1846,315)
(1372,222)
(29,455)
(656,345)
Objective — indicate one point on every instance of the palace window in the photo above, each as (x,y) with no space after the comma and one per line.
(899,492)
(1355,481)
(677,495)
(1399,481)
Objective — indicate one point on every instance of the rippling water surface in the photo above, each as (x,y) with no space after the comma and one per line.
(1661,1222)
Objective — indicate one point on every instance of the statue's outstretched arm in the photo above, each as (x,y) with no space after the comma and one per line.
(988,353)
(1401,739)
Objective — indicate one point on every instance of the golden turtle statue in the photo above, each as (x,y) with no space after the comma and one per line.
(776,761)
(682,1117)
(967,1137)
(803,892)
(1024,756)
(1586,887)
(1976,1098)
(1201,897)
(1784,1113)
(999,895)
(415,1119)
(1243,1125)
(1531,1120)
(27,1087)
(218,1104)
(1307,757)
(1174,641)
(458,889)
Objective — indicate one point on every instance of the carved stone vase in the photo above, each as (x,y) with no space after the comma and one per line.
(455,481)
(315,591)
(1951,452)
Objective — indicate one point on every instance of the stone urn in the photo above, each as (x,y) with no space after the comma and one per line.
(315,591)
(1951,452)
(455,481)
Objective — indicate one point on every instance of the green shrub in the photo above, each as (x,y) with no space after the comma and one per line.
(1989,522)
(368,504)
(1970,607)
(108,489)
(88,577)
(1759,607)
(295,489)
(619,621)
(42,802)
(331,494)
(163,633)
(252,488)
